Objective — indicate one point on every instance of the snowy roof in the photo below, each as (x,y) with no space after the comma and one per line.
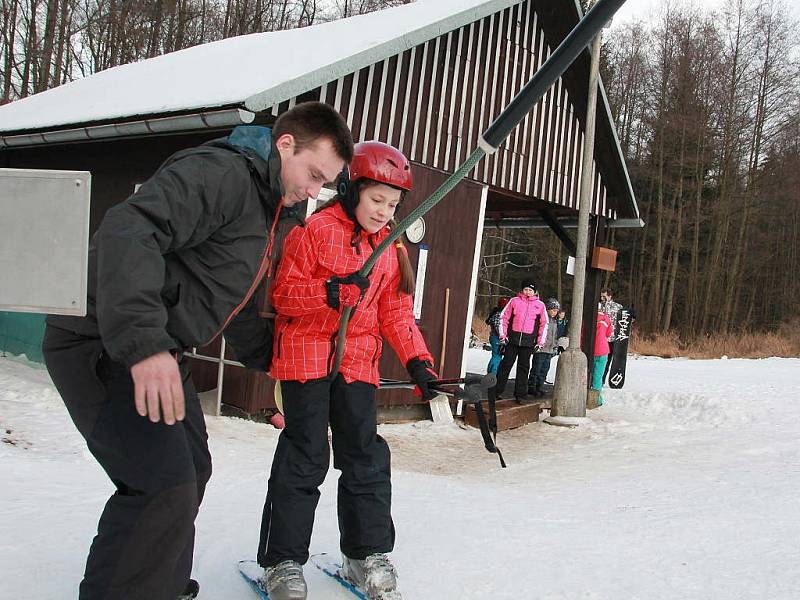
(252,71)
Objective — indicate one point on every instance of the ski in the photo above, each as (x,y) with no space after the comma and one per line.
(251,571)
(332,568)
(325,563)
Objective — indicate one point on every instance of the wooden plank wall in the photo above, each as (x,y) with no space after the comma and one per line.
(434,100)
(451,232)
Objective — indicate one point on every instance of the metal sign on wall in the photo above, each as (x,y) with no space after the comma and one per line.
(422,266)
(44,238)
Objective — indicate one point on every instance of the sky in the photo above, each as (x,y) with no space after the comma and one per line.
(641,9)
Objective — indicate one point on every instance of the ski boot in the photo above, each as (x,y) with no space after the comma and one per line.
(191,590)
(375,576)
(284,581)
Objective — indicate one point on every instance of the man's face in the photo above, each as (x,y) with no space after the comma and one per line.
(304,173)
(605,296)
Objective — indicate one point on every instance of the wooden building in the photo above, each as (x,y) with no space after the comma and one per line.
(442,70)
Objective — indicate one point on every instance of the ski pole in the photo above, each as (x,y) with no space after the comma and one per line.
(391,384)
(474,385)
(559,61)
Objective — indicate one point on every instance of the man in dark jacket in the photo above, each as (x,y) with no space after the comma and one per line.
(170,268)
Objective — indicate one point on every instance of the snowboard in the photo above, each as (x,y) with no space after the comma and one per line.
(619,357)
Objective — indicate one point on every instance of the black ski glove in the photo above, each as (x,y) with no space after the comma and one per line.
(345,291)
(422,373)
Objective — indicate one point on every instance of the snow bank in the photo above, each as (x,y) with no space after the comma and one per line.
(684,485)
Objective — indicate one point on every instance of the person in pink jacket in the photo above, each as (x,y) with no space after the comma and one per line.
(602,349)
(523,328)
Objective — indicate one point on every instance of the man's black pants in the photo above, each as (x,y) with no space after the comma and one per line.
(521,354)
(145,537)
(301,462)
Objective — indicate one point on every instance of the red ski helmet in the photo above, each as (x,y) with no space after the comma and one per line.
(380,162)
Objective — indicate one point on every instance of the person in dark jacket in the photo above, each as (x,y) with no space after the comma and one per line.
(493,321)
(543,356)
(170,268)
(562,323)
(562,329)
(611,308)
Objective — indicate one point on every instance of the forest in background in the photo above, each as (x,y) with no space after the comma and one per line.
(707,110)
(46,43)
(707,107)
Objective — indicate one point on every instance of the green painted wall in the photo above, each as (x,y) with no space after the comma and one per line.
(21,333)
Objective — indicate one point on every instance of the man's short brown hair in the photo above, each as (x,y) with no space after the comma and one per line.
(310,121)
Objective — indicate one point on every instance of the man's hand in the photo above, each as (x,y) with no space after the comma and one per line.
(157,383)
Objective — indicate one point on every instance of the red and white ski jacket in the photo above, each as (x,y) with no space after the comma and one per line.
(306,327)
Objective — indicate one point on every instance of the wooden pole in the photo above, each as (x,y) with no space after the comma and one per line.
(569,393)
(440,406)
(444,332)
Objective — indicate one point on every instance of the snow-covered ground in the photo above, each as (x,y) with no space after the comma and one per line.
(685,484)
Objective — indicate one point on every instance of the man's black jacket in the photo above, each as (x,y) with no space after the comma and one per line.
(174,262)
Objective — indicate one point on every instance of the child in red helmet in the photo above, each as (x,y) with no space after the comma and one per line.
(317,278)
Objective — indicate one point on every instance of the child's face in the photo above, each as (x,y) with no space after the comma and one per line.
(376,206)
(552,313)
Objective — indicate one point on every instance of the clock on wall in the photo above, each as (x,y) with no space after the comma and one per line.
(416,231)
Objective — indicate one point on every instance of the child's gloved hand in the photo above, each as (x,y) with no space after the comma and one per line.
(345,291)
(422,373)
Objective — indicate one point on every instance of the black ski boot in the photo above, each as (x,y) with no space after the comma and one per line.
(191,591)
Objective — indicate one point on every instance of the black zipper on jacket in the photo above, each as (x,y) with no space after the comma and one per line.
(280,337)
(332,352)
(377,352)
(355,239)
(377,288)
(523,322)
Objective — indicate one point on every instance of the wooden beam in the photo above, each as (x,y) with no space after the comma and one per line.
(560,232)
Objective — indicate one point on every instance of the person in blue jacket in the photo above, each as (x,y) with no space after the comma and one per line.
(493,321)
